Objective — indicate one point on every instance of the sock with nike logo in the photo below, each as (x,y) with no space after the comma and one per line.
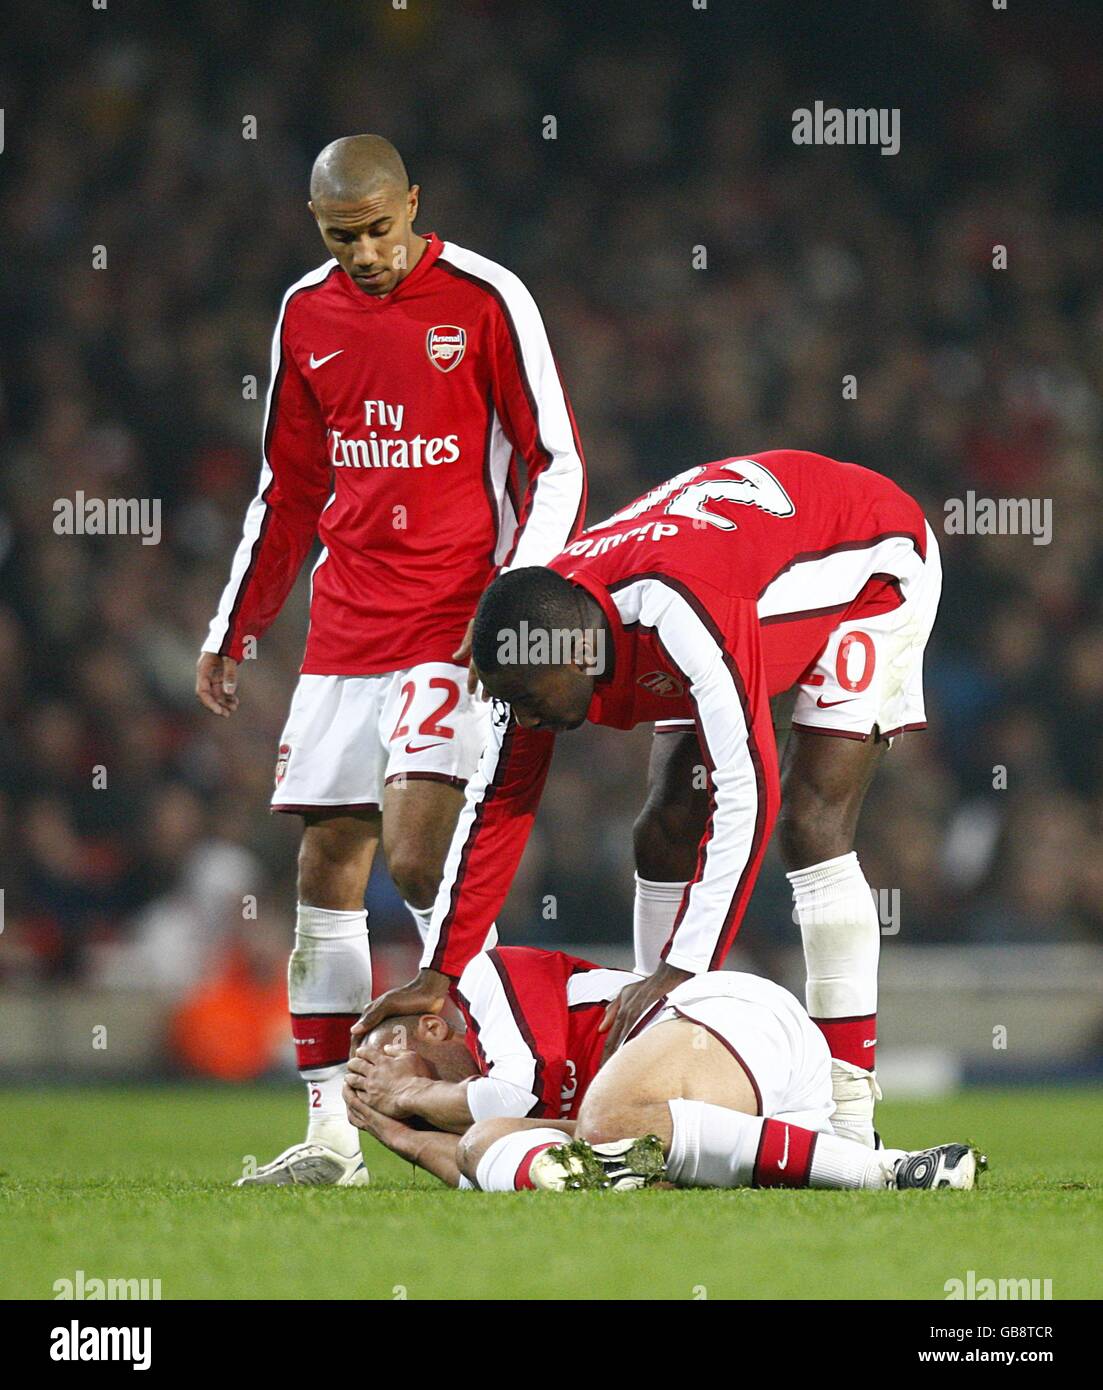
(716,1147)
(842,945)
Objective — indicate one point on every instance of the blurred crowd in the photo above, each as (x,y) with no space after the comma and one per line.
(707,285)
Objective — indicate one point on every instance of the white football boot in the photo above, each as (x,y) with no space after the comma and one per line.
(855,1092)
(625,1165)
(311,1165)
(946,1165)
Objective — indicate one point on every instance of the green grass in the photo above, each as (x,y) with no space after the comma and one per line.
(133,1183)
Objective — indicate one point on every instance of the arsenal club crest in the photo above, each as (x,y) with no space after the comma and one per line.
(446,345)
(662,683)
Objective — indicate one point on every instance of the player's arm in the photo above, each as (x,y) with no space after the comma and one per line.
(387,1084)
(532,404)
(447,1105)
(722,667)
(487,844)
(426,1148)
(280,525)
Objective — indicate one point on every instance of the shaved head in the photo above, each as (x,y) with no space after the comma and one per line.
(352,168)
(365,207)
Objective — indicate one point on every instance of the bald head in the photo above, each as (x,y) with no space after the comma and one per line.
(365,209)
(400,1030)
(356,166)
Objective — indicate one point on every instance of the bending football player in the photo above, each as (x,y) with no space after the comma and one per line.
(726,1082)
(689,609)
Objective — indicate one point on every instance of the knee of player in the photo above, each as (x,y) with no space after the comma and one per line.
(604,1122)
(475,1141)
(665,840)
(810,830)
(415,880)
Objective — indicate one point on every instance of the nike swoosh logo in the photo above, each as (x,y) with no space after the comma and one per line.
(826,704)
(321,361)
(411,749)
(783,1161)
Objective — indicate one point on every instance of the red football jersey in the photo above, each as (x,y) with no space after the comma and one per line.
(532,1019)
(720,588)
(394,430)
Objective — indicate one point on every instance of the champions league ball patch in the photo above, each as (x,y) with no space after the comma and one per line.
(446,345)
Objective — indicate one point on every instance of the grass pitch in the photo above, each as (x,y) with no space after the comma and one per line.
(134,1183)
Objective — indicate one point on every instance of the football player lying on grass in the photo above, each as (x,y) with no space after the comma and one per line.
(725,1082)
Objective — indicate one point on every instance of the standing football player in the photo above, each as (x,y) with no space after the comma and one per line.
(410,378)
(726,585)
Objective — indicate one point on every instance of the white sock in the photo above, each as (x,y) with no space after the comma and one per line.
(505,1165)
(842,944)
(422,917)
(328,1121)
(716,1147)
(653,912)
(328,986)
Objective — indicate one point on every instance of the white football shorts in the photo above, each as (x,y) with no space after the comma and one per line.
(347,737)
(869,675)
(777,1044)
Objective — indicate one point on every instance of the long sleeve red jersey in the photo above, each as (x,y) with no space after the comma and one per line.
(394,431)
(720,588)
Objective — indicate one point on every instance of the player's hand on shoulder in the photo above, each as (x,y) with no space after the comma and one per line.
(216,683)
(625,1011)
(425,994)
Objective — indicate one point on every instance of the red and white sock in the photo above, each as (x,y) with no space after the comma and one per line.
(842,944)
(506,1165)
(328,987)
(716,1147)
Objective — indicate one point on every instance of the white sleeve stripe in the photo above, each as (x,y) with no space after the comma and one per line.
(597,986)
(506,1051)
(737,823)
(257,511)
(478,791)
(499,452)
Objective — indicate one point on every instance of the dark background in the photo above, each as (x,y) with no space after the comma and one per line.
(124,129)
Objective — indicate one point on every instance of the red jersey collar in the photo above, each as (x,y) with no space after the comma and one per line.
(378,302)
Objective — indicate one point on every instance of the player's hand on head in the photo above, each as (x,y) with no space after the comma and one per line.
(363,1115)
(385,1081)
(625,1011)
(425,994)
(216,683)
